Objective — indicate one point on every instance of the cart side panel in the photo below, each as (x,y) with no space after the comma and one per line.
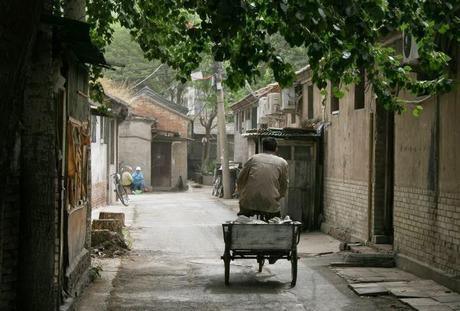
(261,237)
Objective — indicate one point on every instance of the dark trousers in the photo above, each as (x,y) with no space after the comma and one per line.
(265,216)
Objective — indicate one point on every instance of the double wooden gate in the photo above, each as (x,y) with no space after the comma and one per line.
(302,201)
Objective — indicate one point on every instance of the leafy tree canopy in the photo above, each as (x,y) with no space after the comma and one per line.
(340,37)
(131,67)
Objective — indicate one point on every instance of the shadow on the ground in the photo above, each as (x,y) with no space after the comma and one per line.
(244,283)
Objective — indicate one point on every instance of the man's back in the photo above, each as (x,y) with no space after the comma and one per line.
(262,182)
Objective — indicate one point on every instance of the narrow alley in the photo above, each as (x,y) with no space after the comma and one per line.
(175,264)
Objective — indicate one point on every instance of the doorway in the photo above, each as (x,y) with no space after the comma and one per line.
(161,164)
(383,176)
(300,202)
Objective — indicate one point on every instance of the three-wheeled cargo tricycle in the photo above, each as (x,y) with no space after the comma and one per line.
(262,242)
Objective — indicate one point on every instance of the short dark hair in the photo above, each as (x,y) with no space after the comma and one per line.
(269,144)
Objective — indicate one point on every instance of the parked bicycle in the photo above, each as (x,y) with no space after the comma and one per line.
(121,192)
(218,187)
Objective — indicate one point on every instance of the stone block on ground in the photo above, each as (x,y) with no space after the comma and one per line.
(426,304)
(373,275)
(409,292)
(370,260)
(114,225)
(107,215)
(446,297)
(454,305)
(369,289)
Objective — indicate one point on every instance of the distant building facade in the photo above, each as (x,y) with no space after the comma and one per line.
(104,150)
(155,137)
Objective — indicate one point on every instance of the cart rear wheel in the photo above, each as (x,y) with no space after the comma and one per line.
(227,268)
(294,268)
(261,261)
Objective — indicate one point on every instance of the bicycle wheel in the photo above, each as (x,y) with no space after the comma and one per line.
(122,195)
(215,189)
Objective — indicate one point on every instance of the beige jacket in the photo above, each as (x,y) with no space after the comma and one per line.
(263,182)
(126,179)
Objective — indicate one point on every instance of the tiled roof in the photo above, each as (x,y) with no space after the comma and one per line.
(284,132)
(146,91)
(75,35)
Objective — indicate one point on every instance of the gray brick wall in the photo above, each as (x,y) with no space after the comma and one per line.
(345,208)
(427,228)
(9,252)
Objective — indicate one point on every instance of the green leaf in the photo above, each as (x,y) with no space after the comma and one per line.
(321,13)
(444,28)
(417,111)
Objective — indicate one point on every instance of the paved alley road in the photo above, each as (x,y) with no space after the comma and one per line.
(175,265)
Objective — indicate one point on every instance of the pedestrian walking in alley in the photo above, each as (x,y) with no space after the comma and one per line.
(138,180)
(263,182)
(127,179)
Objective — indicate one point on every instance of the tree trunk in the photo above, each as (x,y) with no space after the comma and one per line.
(19,21)
(207,122)
(206,151)
(39,213)
(179,91)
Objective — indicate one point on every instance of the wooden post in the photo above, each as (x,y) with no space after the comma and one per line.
(223,147)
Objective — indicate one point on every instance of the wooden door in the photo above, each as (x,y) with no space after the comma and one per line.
(161,164)
(300,202)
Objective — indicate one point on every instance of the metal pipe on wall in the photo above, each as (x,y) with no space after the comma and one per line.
(370,187)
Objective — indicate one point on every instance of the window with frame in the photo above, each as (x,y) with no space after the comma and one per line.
(298,91)
(254,118)
(104,130)
(237,119)
(360,90)
(334,100)
(310,98)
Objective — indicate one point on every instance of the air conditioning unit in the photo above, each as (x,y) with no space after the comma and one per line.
(248,124)
(262,106)
(273,104)
(409,48)
(262,111)
(288,99)
(261,119)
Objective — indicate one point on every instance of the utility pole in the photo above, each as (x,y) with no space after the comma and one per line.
(223,147)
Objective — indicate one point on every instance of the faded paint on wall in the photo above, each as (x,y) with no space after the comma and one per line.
(135,145)
(98,167)
(427,184)
(346,167)
(178,162)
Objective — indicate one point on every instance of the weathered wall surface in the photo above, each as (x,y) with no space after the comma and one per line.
(98,194)
(241,148)
(37,274)
(134,149)
(427,184)
(166,120)
(346,167)
(98,168)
